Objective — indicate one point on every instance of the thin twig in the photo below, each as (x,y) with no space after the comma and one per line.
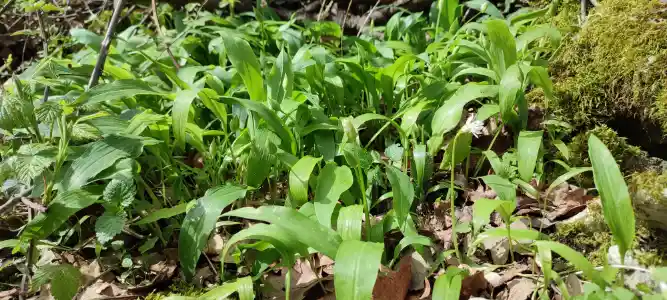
(14,200)
(36,206)
(45,45)
(363,25)
(160,33)
(104,48)
(6,6)
(210,264)
(347,12)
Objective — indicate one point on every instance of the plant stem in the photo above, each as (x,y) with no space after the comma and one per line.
(493,141)
(106,43)
(288,283)
(452,193)
(509,238)
(362,187)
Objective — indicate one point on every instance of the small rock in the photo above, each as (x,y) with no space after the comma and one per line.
(215,245)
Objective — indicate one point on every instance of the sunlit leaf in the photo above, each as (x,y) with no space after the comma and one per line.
(357,266)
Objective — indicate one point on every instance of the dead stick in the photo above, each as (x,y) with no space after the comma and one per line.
(159,31)
(6,6)
(106,43)
(14,200)
(368,16)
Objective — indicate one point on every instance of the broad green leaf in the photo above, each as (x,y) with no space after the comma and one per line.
(616,203)
(298,179)
(448,286)
(410,240)
(63,206)
(281,79)
(246,64)
(331,183)
(528,148)
(200,221)
(349,222)
(539,76)
(243,286)
(307,231)
(481,212)
(455,154)
(87,38)
(179,115)
(505,189)
(565,177)
(479,72)
(577,259)
(275,124)
(502,47)
(447,117)
(496,164)
(64,278)
(210,99)
(537,32)
(484,6)
(403,193)
(510,87)
(117,90)
(422,167)
(163,213)
(411,115)
(517,234)
(357,266)
(99,156)
(444,14)
(285,242)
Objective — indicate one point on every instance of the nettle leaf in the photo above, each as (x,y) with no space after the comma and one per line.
(65,280)
(616,202)
(120,192)
(357,266)
(108,226)
(200,221)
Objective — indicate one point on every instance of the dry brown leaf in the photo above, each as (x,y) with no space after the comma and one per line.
(520,289)
(574,285)
(164,270)
(567,200)
(9,294)
(393,285)
(91,271)
(479,193)
(101,289)
(474,285)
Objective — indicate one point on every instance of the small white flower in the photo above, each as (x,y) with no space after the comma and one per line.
(473,126)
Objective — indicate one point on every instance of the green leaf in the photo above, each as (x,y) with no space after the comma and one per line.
(64,205)
(577,259)
(410,240)
(565,177)
(422,167)
(502,47)
(244,60)
(307,231)
(503,187)
(117,90)
(479,72)
(163,213)
(179,115)
(616,203)
(108,226)
(210,99)
(511,85)
(87,38)
(119,192)
(481,211)
(537,32)
(99,156)
(298,179)
(539,76)
(200,221)
(349,222)
(448,286)
(403,193)
(484,6)
(496,164)
(331,183)
(242,286)
(275,124)
(65,280)
(528,148)
(357,266)
(281,79)
(463,141)
(447,117)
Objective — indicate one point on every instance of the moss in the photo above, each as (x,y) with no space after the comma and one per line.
(649,195)
(592,237)
(178,288)
(615,65)
(623,152)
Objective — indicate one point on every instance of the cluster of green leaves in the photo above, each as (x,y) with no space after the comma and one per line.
(249,102)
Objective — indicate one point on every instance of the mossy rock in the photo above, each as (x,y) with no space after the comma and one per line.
(613,68)
(592,238)
(648,191)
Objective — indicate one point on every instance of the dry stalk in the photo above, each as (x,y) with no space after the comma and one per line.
(106,43)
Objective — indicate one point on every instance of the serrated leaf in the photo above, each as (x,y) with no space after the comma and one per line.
(120,192)
(616,204)
(108,226)
(357,266)
(200,221)
(64,278)
(331,183)
(306,230)
(298,179)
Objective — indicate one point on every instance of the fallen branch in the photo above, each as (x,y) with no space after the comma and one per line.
(106,43)
(14,200)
